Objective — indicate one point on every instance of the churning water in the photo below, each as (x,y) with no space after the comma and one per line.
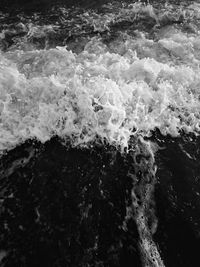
(124,76)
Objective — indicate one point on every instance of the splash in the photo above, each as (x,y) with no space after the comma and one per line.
(115,87)
(97,92)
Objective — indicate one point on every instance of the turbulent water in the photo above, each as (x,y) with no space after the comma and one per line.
(121,74)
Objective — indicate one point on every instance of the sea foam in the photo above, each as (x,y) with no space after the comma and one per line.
(57,92)
(130,86)
(111,89)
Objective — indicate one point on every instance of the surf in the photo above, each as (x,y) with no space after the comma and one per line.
(101,86)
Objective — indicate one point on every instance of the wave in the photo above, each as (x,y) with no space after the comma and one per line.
(150,84)
(112,76)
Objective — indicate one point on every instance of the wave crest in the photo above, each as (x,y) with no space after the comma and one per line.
(98,92)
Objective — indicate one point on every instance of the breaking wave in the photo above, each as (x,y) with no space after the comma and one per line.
(110,75)
(144,84)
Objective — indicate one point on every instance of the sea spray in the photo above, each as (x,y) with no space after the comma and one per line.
(109,78)
(57,92)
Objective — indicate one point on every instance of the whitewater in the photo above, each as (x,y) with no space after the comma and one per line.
(110,76)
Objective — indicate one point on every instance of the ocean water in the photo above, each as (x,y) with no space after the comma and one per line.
(99,114)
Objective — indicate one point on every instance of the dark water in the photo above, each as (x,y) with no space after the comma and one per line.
(177,198)
(66,208)
(71,197)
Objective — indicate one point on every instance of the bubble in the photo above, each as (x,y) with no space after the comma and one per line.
(127,87)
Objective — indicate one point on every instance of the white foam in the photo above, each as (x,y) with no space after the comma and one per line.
(55,92)
(130,87)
